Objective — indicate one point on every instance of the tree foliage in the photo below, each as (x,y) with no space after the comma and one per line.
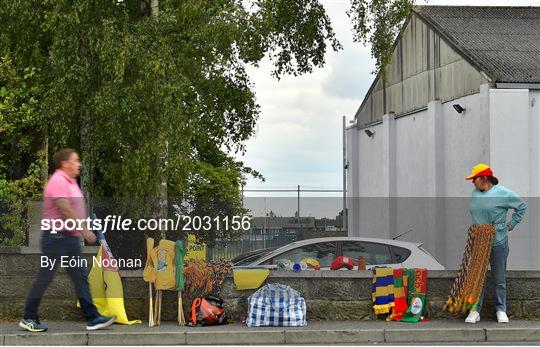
(21,158)
(152,99)
(378,23)
(147,99)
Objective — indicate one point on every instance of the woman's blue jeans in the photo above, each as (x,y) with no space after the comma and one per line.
(497,260)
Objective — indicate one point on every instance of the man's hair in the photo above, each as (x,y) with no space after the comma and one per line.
(62,155)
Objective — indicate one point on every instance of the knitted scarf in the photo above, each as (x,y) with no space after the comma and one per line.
(400,294)
(382,290)
(417,295)
(469,283)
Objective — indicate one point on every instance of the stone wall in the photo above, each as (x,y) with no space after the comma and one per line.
(330,295)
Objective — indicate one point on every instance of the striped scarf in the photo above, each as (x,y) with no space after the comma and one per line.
(389,291)
(382,290)
(400,294)
(469,283)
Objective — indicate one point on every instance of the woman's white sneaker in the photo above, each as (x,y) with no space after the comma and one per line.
(473,317)
(502,317)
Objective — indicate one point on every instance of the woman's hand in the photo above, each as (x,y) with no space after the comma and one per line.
(510,227)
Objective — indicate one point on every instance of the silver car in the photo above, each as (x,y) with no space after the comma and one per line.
(375,251)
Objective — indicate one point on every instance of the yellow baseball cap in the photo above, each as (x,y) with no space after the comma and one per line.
(480,170)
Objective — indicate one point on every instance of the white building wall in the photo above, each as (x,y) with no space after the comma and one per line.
(465,143)
(411,173)
(514,156)
(534,200)
(373,159)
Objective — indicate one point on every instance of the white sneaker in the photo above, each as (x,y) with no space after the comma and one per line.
(473,317)
(502,317)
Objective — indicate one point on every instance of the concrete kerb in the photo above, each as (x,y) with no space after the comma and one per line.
(280,336)
(333,337)
(137,338)
(52,339)
(513,335)
(254,337)
(435,335)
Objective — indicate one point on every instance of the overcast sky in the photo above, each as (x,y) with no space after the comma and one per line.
(299,138)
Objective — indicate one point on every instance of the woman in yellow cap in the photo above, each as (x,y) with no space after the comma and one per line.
(494,211)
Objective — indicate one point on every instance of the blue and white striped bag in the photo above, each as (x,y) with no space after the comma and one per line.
(276,305)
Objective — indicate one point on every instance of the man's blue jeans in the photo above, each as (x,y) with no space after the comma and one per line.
(497,260)
(54,246)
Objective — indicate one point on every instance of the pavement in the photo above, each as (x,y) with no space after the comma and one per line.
(316,332)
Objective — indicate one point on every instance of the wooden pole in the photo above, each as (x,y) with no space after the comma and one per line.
(156,303)
(150,308)
(158,319)
(181,317)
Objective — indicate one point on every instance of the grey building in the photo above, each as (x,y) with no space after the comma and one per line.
(463,87)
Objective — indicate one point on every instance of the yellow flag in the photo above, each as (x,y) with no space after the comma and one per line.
(107,291)
(249,278)
(194,250)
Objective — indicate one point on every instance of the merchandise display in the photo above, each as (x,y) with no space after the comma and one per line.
(180,252)
(249,278)
(468,285)
(276,305)
(417,283)
(342,262)
(106,285)
(400,293)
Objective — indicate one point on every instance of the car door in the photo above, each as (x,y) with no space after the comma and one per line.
(375,254)
(324,252)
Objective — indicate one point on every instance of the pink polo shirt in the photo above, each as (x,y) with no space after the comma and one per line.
(61,185)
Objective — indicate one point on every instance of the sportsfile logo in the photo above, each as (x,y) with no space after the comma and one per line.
(69,224)
(114,222)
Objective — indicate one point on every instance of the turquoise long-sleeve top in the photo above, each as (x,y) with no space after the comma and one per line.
(491,207)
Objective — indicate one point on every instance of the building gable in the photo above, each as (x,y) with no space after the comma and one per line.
(424,67)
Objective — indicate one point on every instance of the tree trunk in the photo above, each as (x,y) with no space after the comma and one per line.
(86,169)
(162,200)
(45,167)
(154,8)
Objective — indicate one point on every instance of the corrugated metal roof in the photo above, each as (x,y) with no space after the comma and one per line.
(503,42)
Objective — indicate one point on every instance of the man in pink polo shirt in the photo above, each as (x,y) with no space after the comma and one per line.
(63,205)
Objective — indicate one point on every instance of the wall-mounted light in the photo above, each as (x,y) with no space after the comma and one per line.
(369,133)
(459,109)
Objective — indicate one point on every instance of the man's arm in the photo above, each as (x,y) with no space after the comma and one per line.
(65,208)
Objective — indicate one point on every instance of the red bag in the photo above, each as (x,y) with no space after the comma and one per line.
(206,311)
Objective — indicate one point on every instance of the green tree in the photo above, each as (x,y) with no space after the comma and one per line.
(21,155)
(158,101)
(155,94)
